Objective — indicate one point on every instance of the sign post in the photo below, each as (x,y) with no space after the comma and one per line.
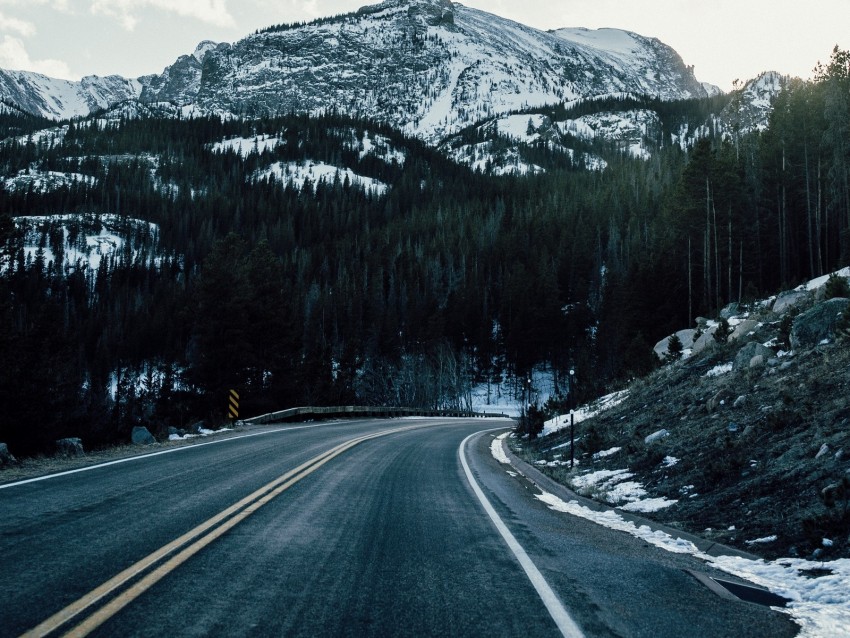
(572,418)
(233,406)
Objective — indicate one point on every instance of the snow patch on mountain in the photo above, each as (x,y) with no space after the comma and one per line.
(85,240)
(244,146)
(495,147)
(47,137)
(486,158)
(628,130)
(297,174)
(45,181)
(382,148)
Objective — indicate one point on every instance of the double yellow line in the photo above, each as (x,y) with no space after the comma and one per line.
(191,543)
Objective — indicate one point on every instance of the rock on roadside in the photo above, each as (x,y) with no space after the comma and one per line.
(70,447)
(142,436)
(6,457)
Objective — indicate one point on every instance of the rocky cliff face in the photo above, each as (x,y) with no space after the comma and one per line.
(750,109)
(180,82)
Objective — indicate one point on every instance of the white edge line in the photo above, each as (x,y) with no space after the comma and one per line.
(147,456)
(565,623)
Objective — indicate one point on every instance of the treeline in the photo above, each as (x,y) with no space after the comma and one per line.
(327,294)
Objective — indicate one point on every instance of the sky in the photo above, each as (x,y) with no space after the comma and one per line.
(725,40)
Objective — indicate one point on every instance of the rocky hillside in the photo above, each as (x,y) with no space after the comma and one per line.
(744,440)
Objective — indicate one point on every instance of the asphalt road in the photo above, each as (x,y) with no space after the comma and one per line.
(384,538)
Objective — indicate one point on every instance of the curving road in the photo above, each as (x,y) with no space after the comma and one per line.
(320,530)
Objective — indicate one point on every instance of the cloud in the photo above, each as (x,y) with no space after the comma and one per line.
(212,12)
(57,5)
(21,27)
(13,55)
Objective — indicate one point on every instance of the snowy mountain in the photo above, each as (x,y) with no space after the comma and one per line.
(750,109)
(63,99)
(428,67)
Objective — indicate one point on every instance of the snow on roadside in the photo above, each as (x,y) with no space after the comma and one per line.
(819,592)
(586,411)
(201,432)
(615,488)
(820,605)
(497,451)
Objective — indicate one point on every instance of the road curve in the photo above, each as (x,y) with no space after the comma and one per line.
(384,537)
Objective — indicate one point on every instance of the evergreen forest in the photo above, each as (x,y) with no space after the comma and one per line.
(332,294)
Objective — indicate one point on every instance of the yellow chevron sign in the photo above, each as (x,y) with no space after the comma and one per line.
(234,405)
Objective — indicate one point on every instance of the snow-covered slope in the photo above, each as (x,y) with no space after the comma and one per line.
(495,146)
(637,64)
(44,181)
(628,130)
(429,67)
(83,241)
(63,99)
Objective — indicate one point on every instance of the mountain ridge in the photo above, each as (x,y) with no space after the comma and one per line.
(428,67)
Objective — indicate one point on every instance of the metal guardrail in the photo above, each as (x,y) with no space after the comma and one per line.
(306,413)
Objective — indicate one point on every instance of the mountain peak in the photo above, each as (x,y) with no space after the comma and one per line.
(432,12)
(203,48)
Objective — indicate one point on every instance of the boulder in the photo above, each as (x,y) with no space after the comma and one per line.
(142,436)
(70,447)
(685,336)
(716,401)
(705,340)
(730,311)
(745,356)
(656,436)
(6,457)
(742,330)
(817,324)
(788,300)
